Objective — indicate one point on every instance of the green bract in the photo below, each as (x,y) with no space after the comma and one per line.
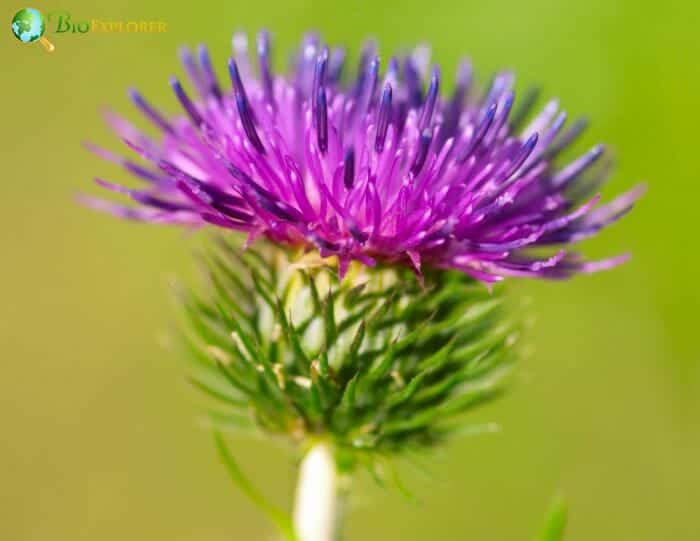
(375,362)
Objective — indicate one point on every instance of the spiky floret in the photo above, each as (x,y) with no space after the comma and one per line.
(380,169)
(374,363)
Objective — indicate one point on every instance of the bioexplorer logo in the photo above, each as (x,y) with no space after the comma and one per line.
(29,26)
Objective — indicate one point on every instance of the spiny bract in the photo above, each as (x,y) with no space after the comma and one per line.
(377,362)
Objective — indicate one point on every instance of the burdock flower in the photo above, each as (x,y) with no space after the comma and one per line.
(410,197)
(377,168)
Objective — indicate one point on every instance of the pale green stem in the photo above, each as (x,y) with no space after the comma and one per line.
(317,506)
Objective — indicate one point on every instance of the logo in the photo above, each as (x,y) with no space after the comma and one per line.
(28,26)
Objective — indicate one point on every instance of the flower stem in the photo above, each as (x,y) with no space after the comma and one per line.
(317,507)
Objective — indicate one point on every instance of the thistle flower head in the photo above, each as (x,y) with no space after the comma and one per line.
(384,167)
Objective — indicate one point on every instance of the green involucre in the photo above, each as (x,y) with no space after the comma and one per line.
(375,362)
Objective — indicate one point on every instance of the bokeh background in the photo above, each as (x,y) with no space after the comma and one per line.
(99,432)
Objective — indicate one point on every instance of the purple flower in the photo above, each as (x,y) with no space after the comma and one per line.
(376,169)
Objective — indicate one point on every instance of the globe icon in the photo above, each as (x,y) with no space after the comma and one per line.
(28,26)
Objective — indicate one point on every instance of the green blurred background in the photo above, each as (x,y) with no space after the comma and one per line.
(100,438)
